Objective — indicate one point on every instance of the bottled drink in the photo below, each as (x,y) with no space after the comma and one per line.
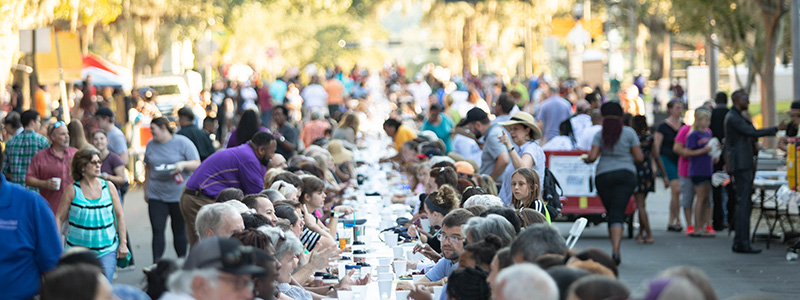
(178,178)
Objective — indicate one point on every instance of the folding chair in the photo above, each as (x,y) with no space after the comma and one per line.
(576,231)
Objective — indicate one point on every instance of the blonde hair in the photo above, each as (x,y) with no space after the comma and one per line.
(698,115)
(284,188)
(350,120)
(532,179)
(269,177)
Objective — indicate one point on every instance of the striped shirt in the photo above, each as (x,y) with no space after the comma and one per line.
(91,222)
(18,154)
(309,238)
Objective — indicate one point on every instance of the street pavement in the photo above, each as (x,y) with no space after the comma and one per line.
(767,274)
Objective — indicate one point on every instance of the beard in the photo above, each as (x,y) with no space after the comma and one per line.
(452,255)
(478,134)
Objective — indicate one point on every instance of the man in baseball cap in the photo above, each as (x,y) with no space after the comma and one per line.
(216,268)
(494,157)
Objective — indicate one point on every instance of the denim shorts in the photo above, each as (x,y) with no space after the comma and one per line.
(687,192)
(700,180)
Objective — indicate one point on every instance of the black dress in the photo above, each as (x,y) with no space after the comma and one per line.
(644,169)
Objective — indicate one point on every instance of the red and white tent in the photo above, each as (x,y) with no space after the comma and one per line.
(105,73)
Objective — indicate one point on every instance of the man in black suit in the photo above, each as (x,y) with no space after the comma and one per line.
(740,151)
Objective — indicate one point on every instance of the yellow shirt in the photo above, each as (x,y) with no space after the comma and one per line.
(403,135)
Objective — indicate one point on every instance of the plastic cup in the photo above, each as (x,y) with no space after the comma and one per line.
(385,288)
(365,271)
(384,269)
(425,225)
(416,278)
(342,270)
(344,295)
(390,238)
(385,276)
(401,295)
(410,255)
(398,252)
(384,261)
(58,182)
(400,268)
(437,292)
(359,291)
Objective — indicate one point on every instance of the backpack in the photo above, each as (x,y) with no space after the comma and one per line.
(551,193)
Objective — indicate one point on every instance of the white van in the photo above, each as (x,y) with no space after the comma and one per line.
(173,91)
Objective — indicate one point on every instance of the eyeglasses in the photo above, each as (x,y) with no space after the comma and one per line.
(238,282)
(96,162)
(453,239)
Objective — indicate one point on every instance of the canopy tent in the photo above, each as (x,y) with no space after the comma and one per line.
(105,73)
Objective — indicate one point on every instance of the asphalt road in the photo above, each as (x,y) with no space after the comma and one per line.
(767,274)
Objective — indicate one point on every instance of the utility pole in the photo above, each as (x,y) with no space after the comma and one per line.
(713,64)
(34,76)
(796,47)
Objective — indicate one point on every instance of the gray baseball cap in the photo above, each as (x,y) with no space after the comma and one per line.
(224,254)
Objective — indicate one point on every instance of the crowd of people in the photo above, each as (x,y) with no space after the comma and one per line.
(254,182)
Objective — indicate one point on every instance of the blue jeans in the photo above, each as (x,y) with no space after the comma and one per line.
(109,262)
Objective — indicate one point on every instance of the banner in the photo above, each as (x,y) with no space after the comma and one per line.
(575,176)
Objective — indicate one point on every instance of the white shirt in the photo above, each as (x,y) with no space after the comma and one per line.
(175,296)
(421,91)
(559,143)
(585,140)
(580,123)
(315,96)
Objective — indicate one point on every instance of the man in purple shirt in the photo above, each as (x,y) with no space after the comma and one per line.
(242,167)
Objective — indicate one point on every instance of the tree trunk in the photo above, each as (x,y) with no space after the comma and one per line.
(465,45)
(768,108)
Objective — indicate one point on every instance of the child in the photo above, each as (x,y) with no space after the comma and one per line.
(644,171)
(701,167)
(526,192)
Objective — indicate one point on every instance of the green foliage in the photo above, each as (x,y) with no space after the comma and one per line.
(90,11)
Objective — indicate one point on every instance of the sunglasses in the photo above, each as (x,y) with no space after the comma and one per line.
(55,126)
(96,162)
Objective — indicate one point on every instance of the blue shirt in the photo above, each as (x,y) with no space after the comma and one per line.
(31,242)
(552,112)
(443,268)
(278,90)
(442,130)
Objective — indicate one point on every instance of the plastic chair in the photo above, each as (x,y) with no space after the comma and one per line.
(576,231)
